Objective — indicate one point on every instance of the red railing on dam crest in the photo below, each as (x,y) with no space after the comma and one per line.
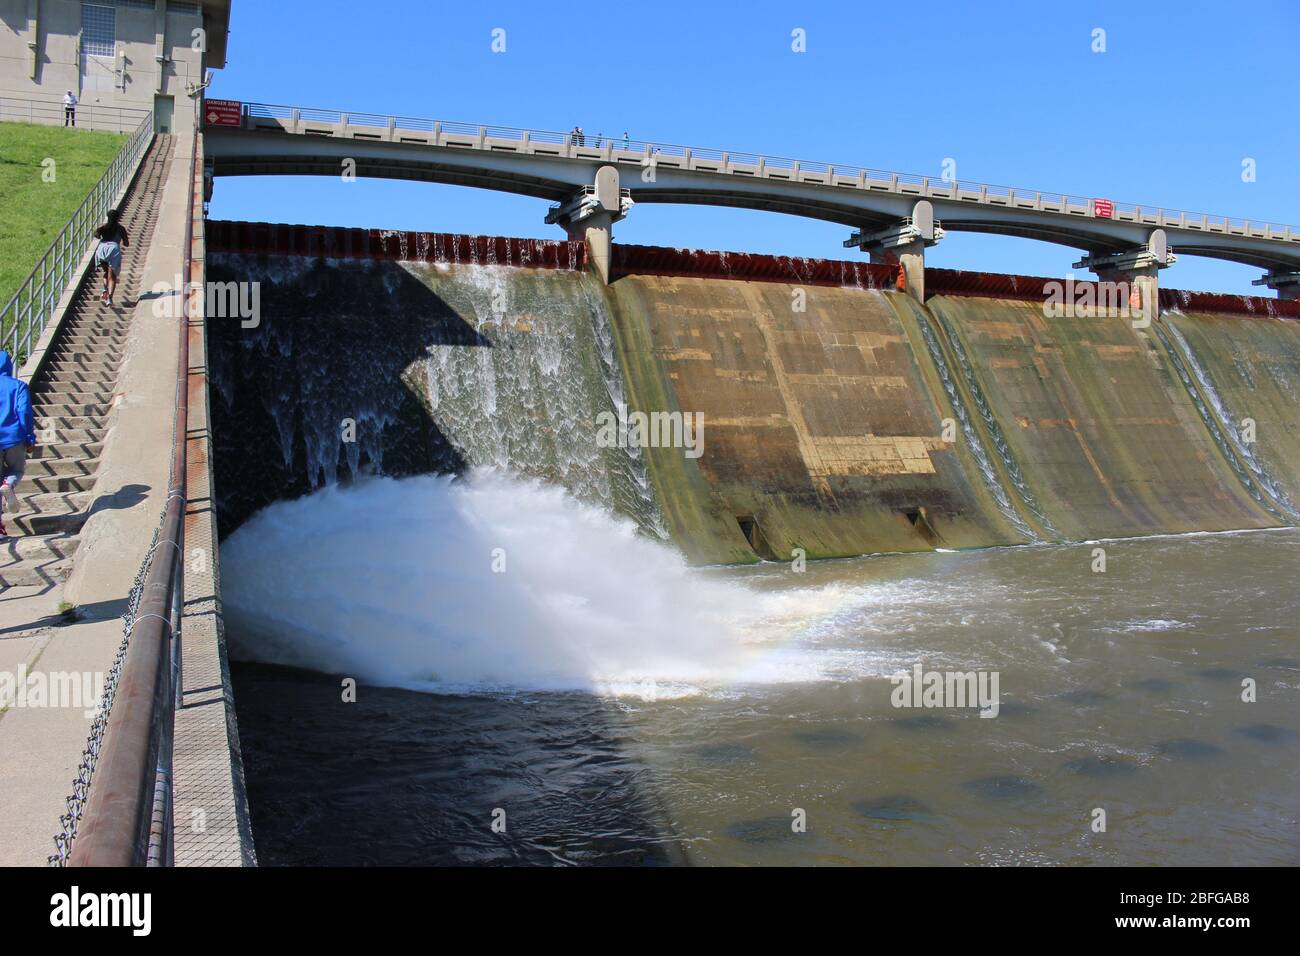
(338,242)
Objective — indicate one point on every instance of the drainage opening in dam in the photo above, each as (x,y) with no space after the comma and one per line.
(754,535)
(917,518)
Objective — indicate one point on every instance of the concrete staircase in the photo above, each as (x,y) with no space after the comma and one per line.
(73,401)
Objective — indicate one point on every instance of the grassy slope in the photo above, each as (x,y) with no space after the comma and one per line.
(33,211)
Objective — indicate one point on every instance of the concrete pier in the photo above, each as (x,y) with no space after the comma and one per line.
(589,215)
(1139,268)
(903,243)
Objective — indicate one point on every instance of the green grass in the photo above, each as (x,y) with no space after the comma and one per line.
(32,211)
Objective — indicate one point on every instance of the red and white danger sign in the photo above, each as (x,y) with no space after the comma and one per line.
(222,112)
(1103,208)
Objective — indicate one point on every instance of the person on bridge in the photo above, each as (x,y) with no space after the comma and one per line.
(17,437)
(69,109)
(112,237)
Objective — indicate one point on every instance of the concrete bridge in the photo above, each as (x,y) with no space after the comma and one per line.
(594,182)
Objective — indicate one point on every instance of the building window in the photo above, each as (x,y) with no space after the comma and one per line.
(98,30)
(136,4)
(177,6)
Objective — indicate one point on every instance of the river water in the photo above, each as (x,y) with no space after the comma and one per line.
(606,704)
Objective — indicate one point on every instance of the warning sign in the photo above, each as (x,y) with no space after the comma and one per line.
(222,112)
(1103,208)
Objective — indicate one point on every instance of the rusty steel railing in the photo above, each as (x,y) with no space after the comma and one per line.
(127,817)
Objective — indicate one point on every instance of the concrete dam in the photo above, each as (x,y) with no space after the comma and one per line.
(337,546)
(837,416)
(637,618)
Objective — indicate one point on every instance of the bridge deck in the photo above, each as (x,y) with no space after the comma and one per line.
(551,165)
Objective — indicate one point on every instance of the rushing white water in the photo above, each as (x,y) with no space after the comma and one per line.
(496,583)
(1229,429)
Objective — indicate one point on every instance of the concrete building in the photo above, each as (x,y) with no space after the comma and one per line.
(121,58)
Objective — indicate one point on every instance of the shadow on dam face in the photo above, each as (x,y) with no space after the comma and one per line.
(321,388)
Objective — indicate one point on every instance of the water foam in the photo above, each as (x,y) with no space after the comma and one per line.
(393,582)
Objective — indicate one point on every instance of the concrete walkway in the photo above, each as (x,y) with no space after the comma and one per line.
(40,745)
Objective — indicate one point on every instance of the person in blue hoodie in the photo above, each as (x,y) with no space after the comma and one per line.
(17,437)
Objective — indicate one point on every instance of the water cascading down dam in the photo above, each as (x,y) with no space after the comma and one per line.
(839,417)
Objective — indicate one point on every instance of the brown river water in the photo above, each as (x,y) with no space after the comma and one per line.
(1120,693)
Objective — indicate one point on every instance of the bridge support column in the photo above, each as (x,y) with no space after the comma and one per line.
(904,244)
(1285,284)
(590,213)
(1138,268)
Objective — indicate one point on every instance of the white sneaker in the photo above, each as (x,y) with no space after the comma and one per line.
(11,497)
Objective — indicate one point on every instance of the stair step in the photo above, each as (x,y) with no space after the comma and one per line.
(60,484)
(38,547)
(81,353)
(92,343)
(84,362)
(46,422)
(94,327)
(79,450)
(59,467)
(46,513)
(45,503)
(34,573)
(53,410)
(83,335)
(92,332)
(71,435)
(75,396)
(57,381)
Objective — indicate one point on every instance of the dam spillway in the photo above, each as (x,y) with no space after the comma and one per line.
(840,418)
(668,702)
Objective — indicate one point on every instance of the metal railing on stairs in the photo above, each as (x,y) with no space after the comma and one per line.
(25,316)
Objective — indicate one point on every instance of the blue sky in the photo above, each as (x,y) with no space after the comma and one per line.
(1013,92)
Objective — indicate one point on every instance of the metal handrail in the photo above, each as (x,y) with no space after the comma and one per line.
(24,318)
(96,116)
(127,818)
(837,174)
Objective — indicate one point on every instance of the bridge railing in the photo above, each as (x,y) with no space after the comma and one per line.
(24,317)
(625,149)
